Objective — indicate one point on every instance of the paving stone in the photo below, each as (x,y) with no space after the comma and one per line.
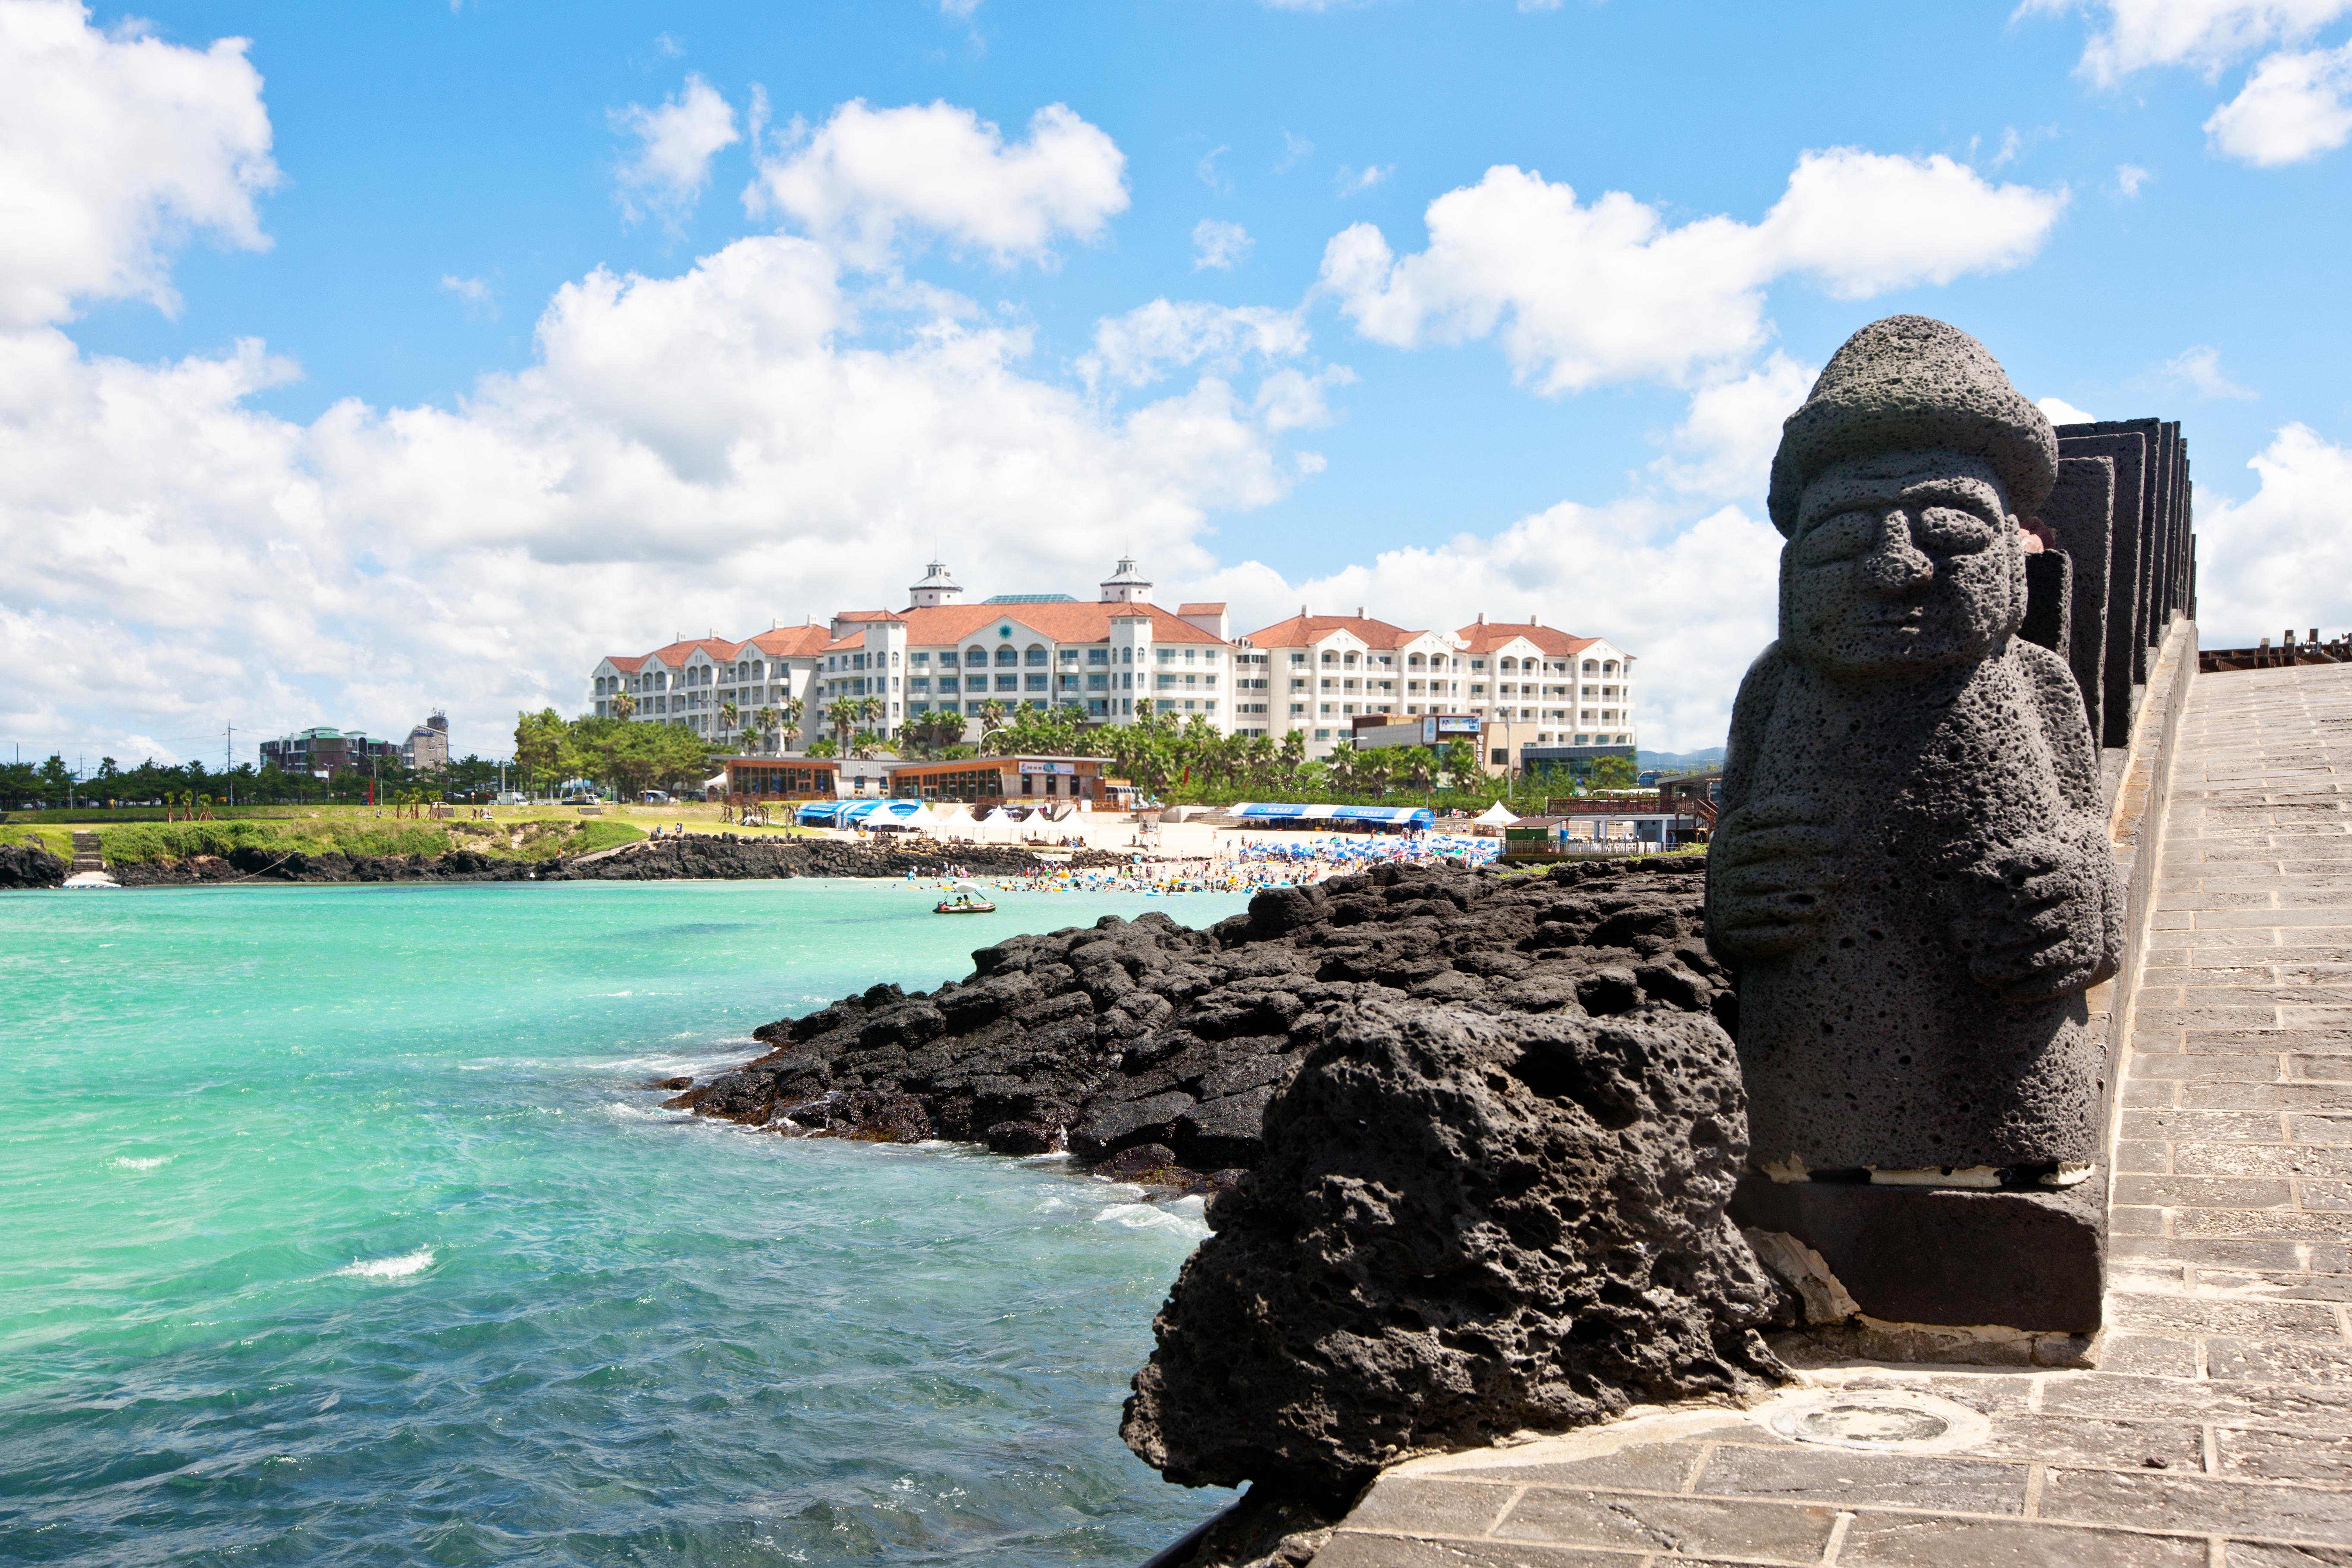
(2203,1126)
(1350,1549)
(1882,1541)
(2203,1192)
(2260,1159)
(2144,1157)
(2149,1355)
(2264,1069)
(1850,1479)
(2258,1454)
(2272,1554)
(2087,1442)
(2259,1224)
(1788,1533)
(2204,1315)
(2232,1404)
(1644,1466)
(2207,1095)
(1430,1505)
(2273,1252)
(2279,1361)
(2159,1499)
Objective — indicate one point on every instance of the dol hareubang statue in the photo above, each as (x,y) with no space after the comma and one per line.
(1912,875)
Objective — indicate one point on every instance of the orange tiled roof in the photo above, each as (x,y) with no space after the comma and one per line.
(1485,636)
(627,664)
(791,642)
(1304,631)
(1215,610)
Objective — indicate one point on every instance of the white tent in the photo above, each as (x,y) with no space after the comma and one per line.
(998,828)
(1494,815)
(956,823)
(922,818)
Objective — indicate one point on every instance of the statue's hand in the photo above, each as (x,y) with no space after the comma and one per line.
(1773,870)
(2032,920)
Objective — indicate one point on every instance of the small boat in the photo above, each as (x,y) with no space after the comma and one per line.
(965,899)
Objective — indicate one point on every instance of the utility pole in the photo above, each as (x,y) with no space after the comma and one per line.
(228,760)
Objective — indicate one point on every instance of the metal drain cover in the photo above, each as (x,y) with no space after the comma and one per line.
(1877,1420)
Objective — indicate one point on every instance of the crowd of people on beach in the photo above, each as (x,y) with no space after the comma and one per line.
(1237,866)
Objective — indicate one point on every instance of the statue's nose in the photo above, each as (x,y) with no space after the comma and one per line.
(1895,563)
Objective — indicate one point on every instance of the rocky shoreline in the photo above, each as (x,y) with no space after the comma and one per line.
(1149,1049)
(699,856)
(1470,1139)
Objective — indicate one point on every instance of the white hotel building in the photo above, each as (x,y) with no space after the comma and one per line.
(1121,655)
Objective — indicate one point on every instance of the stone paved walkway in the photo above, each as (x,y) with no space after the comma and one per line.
(2216,1432)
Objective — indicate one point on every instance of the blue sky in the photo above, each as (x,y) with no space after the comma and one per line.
(439,351)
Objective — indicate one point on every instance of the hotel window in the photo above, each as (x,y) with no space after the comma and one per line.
(1167,655)
(1168,705)
(1097,656)
(919,683)
(947,683)
(1322,734)
(1298,710)
(1095,706)
(922,657)
(1097,683)
(1036,655)
(1008,683)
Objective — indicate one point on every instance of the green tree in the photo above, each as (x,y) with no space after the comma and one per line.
(842,715)
(539,746)
(1613,771)
(730,718)
(623,705)
(795,711)
(1461,763)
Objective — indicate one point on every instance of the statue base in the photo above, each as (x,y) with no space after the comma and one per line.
(2026,1258)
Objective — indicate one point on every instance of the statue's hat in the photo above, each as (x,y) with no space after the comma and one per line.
(1913,382)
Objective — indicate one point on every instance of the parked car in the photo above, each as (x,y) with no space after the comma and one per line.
(654,797)
(581,797)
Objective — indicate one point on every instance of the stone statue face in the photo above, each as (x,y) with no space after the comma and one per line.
(1900,563)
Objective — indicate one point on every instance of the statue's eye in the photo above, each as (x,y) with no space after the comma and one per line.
(1840,537)
(1950,531)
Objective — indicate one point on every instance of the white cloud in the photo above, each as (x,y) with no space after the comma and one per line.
(2294,106)
(961,10)
(2129,178)
(2201,368)
(2058,411)
(1296,150)
(675,146)
(686,452)
(867,174)
(119,146)
(1725,443)
(1152,341)
(1356,181)
(1583,295)
(2204,34)
(1224,245)
(474,291)
(2282,557)
(1211,175)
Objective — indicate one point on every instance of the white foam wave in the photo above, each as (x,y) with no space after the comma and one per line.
(621,1110)
(399,1267)
(134,1163)
(1157,1216)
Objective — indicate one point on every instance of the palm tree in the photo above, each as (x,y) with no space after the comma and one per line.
(770,721)
(992,719)
(728,717)
(869,712)
(795,710)
(1343,768)
(843,716)
(623,705)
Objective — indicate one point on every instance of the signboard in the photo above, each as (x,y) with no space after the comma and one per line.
(1458,724)
(1049,768)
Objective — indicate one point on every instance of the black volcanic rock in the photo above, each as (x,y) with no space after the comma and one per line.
(1147,1032)
(30,866)
(1465,1224)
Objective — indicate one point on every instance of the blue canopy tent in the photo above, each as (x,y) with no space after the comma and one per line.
(1285,814)
(819,813)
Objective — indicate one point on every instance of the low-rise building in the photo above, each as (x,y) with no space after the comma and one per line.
(944,663)
(426,750)
(323,752)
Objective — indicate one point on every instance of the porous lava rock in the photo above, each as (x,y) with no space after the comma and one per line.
(1129,1034)
(30,866)
(724,857)
(1466,1224)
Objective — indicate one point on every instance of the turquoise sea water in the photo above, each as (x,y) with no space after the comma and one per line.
(337,1231)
